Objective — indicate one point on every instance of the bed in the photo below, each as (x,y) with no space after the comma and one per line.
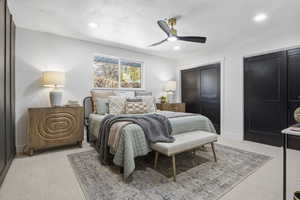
(133,142)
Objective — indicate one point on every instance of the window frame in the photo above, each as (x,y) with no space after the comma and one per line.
(143,77)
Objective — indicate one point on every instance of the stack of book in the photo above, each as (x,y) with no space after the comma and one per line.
(295,127)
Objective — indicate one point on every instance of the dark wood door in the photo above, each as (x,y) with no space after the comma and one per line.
(13,87)
(209,93)
(200,90)
(8,121)
(2,79)
(293,60)
(190,84)
(265,102)
(7,89)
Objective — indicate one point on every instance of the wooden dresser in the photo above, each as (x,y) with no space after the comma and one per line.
(175,107)
(54,126)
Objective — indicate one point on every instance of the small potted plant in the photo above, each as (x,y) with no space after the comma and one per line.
(163,99)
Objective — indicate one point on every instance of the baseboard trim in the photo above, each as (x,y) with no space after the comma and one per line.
(233,136)
(20,149)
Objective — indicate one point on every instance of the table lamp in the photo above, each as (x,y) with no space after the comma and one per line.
(170,89)
(56,80)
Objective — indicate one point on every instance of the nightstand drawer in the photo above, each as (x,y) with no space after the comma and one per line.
(175,107)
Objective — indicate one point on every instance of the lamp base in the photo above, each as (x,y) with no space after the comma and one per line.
(55,98)
(170,97)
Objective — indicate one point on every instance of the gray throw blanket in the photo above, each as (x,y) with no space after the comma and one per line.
(157,128)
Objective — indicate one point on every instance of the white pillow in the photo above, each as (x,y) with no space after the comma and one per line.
(102,106)
(116,105)
(150,102)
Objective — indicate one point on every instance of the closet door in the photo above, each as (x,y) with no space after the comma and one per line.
(265,102)
(209,94)
(8,121)
(13,87)
(190,87)
(293,60)
(200,90)
(2,79)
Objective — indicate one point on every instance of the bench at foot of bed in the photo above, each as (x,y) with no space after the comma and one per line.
(184,142)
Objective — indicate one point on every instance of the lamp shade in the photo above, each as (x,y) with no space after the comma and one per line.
(170,86)
(53,79)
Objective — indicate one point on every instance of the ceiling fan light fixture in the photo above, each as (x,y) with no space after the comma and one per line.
(172,38)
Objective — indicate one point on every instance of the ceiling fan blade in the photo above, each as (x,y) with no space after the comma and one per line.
(164,26)
(192,39)
(158,43)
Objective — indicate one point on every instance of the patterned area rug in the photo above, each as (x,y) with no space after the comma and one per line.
(198,176)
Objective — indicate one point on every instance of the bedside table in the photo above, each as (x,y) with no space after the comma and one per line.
(175,107)
(54,126)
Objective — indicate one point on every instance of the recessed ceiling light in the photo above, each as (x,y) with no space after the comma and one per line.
(260,17)
(172,38)
(176,48)
(93,25)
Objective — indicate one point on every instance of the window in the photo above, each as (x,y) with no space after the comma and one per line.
(131,73)
(116,73)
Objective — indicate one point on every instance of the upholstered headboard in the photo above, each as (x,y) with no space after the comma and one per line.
(88,109)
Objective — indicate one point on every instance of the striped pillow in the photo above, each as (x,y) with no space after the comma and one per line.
(136,108)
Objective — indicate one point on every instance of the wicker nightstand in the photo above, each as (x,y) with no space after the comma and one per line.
(175,107)
(54,126)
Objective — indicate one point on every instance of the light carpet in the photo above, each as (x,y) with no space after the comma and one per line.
(198,176)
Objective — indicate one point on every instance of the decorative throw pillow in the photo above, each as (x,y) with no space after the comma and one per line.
(150,102)
(136,108)
(116,105)
(102,106)
(100,94)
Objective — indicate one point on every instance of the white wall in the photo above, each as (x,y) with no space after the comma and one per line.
(37,52)
(231,58)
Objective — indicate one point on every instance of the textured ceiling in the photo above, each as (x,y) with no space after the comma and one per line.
(131,24)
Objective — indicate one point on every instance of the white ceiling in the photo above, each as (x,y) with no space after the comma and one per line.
(131,24)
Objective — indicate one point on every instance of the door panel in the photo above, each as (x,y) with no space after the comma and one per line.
(265,98)
(190,89)
(293,59)
(212,111)
(201,92)
(12,87)
(8,87)
(2,72)
(210,93)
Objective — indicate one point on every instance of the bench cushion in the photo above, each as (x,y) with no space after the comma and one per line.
(184,142)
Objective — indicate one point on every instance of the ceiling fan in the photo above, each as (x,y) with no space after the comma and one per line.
(168,27)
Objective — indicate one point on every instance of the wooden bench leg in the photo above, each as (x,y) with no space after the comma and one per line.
(156,159)
(174,167)
(214,152)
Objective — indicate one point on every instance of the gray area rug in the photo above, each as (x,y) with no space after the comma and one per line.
(198,176)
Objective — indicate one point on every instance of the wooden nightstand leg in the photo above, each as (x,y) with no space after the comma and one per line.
(79,143)
(30,151)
